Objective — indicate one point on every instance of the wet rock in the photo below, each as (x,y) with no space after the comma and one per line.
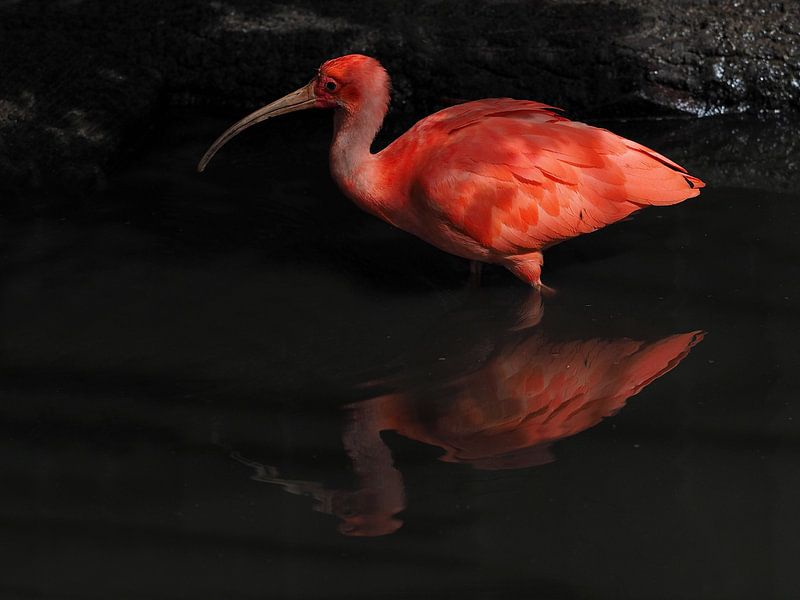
(82,81)
(758,153)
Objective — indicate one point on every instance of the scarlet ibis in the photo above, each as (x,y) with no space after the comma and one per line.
(495,180)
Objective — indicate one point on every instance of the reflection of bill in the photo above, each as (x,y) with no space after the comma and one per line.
(528,392)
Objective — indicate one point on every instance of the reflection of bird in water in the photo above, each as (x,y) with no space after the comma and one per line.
(531,393)
(504,413)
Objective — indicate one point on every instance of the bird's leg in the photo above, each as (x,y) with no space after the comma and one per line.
(475,269)
(531,311)
(528,267)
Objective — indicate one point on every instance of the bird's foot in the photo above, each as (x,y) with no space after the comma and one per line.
(528,267)
(531,311)
(545,290)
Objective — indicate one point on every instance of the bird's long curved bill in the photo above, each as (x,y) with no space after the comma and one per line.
(297,100)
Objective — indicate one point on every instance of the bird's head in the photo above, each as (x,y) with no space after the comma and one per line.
(349,83)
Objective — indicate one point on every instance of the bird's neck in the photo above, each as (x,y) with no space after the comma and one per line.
(353,165)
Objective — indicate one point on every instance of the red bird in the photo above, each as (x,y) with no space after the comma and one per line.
(495,180)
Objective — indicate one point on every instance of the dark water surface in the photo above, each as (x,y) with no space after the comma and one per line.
(227,385)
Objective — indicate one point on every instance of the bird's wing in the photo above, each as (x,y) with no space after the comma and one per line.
(564,388)
(515,176)
(531,395)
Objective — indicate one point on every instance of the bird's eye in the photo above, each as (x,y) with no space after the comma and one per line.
(330,86)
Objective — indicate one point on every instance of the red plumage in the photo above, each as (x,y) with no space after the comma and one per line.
(527,396)
(514,177)
(495,180)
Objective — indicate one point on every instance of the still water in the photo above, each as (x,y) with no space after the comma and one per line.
(237,385)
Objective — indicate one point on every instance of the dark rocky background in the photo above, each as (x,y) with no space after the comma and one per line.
(85,82)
